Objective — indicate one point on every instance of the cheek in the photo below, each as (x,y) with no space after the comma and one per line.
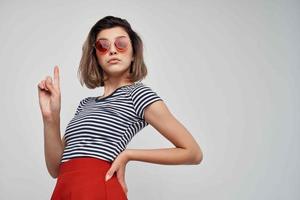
(129,53)
(100,58)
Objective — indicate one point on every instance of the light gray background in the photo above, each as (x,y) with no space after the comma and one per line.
(228,70)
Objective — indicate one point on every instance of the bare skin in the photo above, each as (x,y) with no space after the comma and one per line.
(50,104)
(157,114)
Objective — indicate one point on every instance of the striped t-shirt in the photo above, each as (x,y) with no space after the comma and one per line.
(102,127)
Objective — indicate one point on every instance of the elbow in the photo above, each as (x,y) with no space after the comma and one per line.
(196,157)
(53,175)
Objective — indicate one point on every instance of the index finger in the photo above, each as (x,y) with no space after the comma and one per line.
(56,76)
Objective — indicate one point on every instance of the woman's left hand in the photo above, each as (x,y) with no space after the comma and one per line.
(118,166)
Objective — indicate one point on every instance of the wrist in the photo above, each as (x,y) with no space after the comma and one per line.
(54,119)
(51,121)
(127,153)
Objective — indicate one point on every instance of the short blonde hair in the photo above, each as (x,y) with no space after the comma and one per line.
(90,72)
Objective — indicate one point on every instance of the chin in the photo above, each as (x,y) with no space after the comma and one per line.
(116,69)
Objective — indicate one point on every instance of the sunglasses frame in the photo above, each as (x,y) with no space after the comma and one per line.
(109,43)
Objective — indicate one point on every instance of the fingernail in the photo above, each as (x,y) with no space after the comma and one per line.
(107,177)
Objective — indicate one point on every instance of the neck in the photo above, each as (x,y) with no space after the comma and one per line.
(111,85)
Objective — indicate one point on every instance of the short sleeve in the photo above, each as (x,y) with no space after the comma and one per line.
(142,96)
(80,106)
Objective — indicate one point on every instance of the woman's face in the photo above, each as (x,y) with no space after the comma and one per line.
(120,67)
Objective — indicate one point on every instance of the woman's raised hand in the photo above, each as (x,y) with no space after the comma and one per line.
(49,96)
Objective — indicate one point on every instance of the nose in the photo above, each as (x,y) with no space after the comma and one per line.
(112,50)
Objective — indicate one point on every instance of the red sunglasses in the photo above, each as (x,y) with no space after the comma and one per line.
(103,45)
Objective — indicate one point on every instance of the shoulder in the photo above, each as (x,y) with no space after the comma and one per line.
(81,104)
(85,100)
(140,88)
(136,88)
(133,86)
(142,95)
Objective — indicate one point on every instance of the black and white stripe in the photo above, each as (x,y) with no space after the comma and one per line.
(102,128)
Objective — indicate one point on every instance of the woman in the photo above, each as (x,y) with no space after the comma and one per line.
(89,162)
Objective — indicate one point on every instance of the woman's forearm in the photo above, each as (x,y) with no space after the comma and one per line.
(53,146)
(166,156)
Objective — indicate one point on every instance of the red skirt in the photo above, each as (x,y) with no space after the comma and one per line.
(83,178)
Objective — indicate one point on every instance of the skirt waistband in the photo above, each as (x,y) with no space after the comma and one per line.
(84,164)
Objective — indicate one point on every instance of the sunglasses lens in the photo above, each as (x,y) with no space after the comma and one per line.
(121,43)
(102,45)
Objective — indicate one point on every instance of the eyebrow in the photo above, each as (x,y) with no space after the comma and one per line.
(107,39)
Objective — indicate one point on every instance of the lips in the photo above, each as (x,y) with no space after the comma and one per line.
(113,60)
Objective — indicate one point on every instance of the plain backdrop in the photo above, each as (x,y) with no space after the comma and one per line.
(227,70)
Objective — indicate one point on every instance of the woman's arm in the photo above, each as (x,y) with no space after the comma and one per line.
(186,151)
(53,146)
(167,156)
(49,101)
